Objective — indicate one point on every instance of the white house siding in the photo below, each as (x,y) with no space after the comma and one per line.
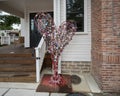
(79,49)
(32,6)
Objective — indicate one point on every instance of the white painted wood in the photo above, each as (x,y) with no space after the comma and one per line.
(85,15)
(55,11)
(26,32)
(79,49)
(40,53)
(23,31)
(89,16)
(41,43)
(22,21)
(80,57)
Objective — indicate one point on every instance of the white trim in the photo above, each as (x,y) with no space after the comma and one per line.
(85,16)
(85,32)
(81,33)
(62,11)
(57,12)
(38,60)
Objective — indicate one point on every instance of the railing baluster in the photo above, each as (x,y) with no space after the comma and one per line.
(40,53)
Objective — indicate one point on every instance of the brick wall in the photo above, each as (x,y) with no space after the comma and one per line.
(70,67)
(106,44)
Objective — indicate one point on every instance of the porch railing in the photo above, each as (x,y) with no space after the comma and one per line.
(40,53)
(5,40)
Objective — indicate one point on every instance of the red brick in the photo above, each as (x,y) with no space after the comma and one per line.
(106,44)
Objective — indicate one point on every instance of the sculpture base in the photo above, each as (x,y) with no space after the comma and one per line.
(47,85)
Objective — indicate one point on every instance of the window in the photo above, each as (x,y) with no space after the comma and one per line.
(75,11)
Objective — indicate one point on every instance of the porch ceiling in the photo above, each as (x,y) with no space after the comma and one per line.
(18,7)
(15,7)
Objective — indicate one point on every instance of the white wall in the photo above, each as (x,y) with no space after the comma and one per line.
(79,49)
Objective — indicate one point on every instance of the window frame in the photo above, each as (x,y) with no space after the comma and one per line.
(85,18)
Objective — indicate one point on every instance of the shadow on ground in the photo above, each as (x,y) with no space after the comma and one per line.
(95,94)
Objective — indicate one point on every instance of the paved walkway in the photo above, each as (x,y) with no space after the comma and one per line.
(88,85)
(31,92)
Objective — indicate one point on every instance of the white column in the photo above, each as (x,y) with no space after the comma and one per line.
(57,12)
(22,21)
(25,31)
(62,11)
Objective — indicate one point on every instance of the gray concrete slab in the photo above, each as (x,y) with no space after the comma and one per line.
(3,91)
(18,85)
(42,94)
(92,84)
(20,92)
(58,94)
(81,87)
(25,92)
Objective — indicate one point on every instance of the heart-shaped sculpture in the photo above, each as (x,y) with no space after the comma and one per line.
(56,39)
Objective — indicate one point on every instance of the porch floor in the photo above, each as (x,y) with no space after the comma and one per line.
(15,48)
